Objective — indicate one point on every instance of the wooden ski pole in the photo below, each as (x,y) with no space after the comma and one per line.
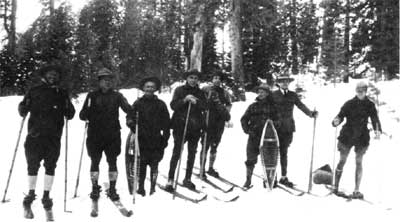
(136,166)
(312,157)
(80,160)
(180,154)
(204,150)
(13,159)
(66,167)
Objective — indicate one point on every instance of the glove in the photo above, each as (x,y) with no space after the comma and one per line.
(314,114)
(190,98)
(277,123)
(131,124)
(336,122)
(378,134)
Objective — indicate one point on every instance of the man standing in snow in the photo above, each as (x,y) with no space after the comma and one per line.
(286,100)
(219,106)
(101,109)
(183,95)
(355,133)
(253,122)
(48,105)
(153,118)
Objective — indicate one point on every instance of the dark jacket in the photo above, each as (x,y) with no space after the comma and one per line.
(153,118)
(357,112)
(196,118)
(257,114)
(285,104)
(48,106)
(219,105)
(102,112)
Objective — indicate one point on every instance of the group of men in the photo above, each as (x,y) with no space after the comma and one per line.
(196,113)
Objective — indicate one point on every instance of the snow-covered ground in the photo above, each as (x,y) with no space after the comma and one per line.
(380,182)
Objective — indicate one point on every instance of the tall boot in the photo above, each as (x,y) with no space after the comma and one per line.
(338,175)
(112,191)
(249,173)
(211,171)
(96,189)
(142,176)
(153,179)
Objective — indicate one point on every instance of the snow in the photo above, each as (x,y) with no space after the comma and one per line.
(380,182)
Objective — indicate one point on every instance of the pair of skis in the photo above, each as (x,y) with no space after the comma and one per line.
(121,208)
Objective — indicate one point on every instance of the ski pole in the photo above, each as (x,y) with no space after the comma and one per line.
(66,167)
(136,166)
(13,159)
(204,150)
(80,160)
(334,158)
(312,156)
(180,155)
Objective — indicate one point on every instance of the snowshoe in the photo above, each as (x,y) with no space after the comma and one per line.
(112,194)
(95,194)
(188,184)
(213,172)
(285,181)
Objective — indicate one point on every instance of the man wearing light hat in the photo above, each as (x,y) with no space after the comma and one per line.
(286,99)
(101,109)
(253,121)
(154,130)
(355,133)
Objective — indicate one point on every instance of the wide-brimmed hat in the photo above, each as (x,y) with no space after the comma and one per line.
(284,77)
(103,72)
(264,86)
(47,68)
(153,79)
(191,73)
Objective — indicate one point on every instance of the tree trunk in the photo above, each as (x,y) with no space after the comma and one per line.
(347,42)
(236,41)
(198,36)
(293,36)
(51,7)
(12,37)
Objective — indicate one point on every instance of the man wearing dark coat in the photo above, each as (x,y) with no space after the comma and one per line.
(154,130)
(190,93)
(253,121)
(101,109)
(355,133)
(219,106)
(285,100)
(48,105)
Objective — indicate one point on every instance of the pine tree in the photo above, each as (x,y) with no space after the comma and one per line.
(308,33)
(332,42)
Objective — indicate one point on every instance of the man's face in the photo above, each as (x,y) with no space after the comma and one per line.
(216,80)
(284,84)
(262,94)
(149,88)
(106,83)
(51,77)
(192,80)
(361,93)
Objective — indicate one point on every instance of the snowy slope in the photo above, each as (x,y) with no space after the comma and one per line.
(380,183)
